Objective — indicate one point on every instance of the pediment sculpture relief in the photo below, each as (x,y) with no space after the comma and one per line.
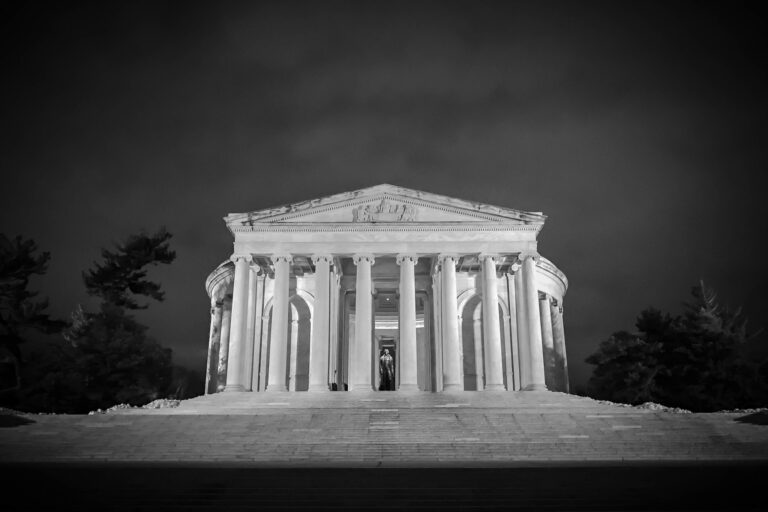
(385,211)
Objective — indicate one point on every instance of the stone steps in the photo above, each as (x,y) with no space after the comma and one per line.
(388,430)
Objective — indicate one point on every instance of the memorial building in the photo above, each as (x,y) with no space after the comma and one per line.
(390,289)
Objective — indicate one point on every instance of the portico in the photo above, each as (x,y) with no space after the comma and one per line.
(455,291)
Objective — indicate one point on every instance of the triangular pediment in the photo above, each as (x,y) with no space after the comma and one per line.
(384,204)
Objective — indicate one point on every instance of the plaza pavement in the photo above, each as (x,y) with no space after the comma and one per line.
(534,450)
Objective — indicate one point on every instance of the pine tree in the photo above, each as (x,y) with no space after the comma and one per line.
(20,311)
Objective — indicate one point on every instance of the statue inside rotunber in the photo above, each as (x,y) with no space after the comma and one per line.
(386,289)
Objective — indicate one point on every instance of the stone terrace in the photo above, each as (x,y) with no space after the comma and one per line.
(467,429)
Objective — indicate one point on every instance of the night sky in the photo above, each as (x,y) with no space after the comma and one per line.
(639,128)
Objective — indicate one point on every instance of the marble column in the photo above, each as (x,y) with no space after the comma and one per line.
(318,350)
(547,342)
(558,333)
(522,331)
(259,340)
(237,330)
(494,367)
(294,335)
(361,350)
(408,349)
(214,341)
(278,343)
(226,316)
(514,332)
(477,333)
(437,312)
(250,330)
(452,379)
(533,326)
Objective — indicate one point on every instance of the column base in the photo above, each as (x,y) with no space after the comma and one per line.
(408,388)
(234,387)
(318,388)
(359,388)
(452,387)
(495,387)
(535,387)
(275,388)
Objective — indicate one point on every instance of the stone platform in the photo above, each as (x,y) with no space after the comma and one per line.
(384,451)
(465,429)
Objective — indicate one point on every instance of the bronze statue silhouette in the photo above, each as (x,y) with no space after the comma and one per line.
(386,372)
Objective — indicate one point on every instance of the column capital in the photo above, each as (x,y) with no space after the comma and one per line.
(367,258)
(247,257)
(524,255)
(317,258)
(407,257)
(282,257)
(444,257)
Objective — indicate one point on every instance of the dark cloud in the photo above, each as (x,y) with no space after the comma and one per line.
(639,129)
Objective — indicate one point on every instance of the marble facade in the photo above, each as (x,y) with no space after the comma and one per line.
(455,291)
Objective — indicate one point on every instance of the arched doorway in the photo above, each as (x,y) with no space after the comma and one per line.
(299,341)
(473,343)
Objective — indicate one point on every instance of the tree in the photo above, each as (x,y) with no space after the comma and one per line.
(695,361)
(116,360)
(20,311)
(123,274)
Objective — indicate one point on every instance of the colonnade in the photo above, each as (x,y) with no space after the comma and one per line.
(537,348)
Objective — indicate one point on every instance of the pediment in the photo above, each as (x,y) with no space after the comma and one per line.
(384,204)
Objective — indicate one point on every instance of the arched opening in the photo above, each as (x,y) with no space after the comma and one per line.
(473,344)
(299,341)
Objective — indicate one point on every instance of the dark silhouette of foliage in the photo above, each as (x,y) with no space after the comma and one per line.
(694,361)
(20,311)
(110,359)
(123,273)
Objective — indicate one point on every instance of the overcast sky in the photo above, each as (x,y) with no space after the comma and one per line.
(638,128)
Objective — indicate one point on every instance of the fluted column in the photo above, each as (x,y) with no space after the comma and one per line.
(361,350)
(522,330)
(477,334)
(278,343)
(250,329)
(513,328)
(437,312)
(533,326)
(318,350)
(214,341)
(494,368)
(226,316)
(451,350)
(293,332)
(547,341)
(237,331)
(408,348)
(558,333)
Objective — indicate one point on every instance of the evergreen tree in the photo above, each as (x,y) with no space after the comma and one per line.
(695,361)
(115,359)
(20,311)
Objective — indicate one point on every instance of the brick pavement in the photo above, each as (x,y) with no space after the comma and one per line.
(386,430)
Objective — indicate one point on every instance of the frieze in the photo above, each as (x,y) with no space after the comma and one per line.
(385,211)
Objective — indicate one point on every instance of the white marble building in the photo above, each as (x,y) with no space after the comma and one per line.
(456,291)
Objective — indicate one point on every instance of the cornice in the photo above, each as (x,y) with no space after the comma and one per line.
(221,275)
(389,226)
(547,266)
(390,192)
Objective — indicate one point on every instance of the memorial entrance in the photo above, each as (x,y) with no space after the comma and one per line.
(386,289)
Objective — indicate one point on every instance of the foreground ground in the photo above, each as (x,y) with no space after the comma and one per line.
(532,450)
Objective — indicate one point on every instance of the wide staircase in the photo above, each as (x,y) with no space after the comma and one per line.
(467,428)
